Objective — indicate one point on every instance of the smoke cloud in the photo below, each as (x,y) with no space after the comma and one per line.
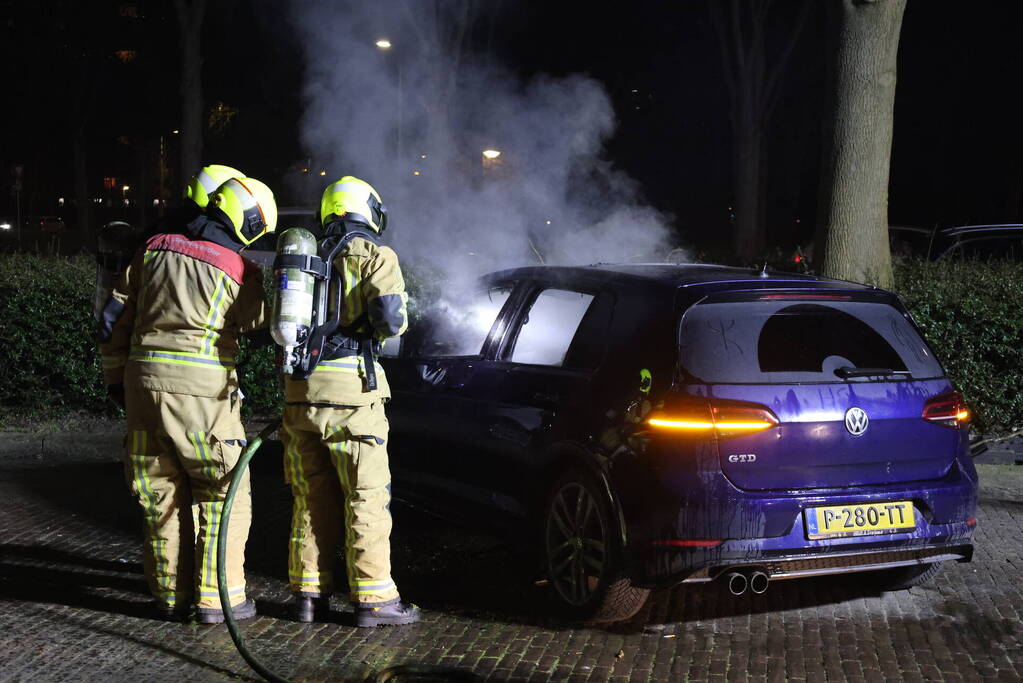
(414,120)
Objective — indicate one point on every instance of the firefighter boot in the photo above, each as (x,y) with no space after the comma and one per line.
(391,613)
(309,608)
(212,615)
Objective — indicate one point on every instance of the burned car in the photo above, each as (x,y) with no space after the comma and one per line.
(666,424)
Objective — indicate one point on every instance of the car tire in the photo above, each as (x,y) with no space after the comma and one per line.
(583,554)
(902,578)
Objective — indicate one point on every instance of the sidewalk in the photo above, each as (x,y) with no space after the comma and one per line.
(73,605)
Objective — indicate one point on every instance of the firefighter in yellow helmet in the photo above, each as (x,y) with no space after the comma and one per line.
(207,180)
(194,199)
(168,336)
(335,431)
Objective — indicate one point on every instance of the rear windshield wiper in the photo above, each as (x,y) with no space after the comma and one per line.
(846,372)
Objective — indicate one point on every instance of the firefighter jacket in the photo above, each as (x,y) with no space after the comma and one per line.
(374,304)
(172,322)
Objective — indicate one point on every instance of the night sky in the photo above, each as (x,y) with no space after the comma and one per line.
(958,151)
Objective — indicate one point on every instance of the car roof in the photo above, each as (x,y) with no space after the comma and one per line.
(676,275)
(975,230)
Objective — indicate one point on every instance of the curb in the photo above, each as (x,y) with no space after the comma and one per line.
(39,445)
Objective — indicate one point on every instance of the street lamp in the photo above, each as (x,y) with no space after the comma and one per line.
(385,45)
(491,163)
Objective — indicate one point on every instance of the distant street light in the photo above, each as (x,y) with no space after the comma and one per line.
(385,44)
(491,163)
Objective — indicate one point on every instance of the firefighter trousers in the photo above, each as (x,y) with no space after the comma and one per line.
(336,463)
(179,453)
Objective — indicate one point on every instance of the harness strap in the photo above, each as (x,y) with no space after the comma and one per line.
(314,265)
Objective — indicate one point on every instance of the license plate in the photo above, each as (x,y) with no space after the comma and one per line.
(867,519)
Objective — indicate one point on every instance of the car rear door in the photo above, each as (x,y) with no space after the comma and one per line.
(543,372)
(846,375)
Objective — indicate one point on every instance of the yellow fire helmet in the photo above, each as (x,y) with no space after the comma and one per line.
(249,206)
(208,179)
(353,200)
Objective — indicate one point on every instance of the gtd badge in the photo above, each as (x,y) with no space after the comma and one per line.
(856,421)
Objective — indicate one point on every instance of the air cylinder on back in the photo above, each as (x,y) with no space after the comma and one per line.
(292,317)
(115,245)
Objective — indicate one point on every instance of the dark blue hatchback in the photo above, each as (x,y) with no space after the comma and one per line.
(659,424)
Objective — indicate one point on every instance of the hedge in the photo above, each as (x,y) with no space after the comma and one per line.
(969,312)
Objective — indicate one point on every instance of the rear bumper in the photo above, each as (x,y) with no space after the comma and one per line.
(798,567)
(793,556)
(766,530)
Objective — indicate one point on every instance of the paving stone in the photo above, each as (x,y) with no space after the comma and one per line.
(73,605)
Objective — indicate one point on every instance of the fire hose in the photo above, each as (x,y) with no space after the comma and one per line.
(225,599)
(434,673)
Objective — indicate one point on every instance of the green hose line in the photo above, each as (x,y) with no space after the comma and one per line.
(435,673)
(225,600)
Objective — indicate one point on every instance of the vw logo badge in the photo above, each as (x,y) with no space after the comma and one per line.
(856,421)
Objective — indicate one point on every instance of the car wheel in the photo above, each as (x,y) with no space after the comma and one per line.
(583,554)
(902,578)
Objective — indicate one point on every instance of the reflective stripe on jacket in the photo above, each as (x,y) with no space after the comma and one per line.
(172,322)
(374,286)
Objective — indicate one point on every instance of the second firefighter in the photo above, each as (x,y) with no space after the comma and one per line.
(335,430)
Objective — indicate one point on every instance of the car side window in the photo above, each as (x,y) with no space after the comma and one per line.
(549,326)
(460,328)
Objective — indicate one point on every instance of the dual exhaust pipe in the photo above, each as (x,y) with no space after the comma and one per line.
(756,581)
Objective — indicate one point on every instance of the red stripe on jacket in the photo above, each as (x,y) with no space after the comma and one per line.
(222,258)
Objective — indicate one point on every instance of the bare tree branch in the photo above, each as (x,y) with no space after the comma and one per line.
(774,79)
(728,65)
(737,38)
(458,44)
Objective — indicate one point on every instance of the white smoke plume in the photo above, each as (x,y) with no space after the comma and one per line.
(414,119)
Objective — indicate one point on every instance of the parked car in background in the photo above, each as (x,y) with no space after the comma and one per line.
(1003,241)
(659,424)
(982,242)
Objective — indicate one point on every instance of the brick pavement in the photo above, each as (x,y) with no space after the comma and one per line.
(73,604)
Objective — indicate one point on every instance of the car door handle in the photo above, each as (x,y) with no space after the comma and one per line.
(546,397)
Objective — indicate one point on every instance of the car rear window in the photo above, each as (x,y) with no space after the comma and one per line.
(769,342)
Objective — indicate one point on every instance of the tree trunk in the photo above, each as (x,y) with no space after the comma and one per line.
(752,76)
(190,19)
(749,176)
(852,240)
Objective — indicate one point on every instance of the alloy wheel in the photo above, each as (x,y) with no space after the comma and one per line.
(576,538)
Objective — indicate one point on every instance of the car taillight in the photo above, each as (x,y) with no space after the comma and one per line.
(722,419)
(948,409)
